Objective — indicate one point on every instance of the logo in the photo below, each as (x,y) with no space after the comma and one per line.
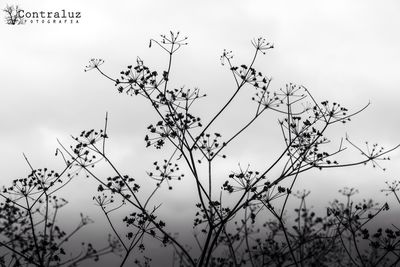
(16,15)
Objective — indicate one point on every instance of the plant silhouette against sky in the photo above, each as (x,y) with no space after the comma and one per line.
(225,231)
(239,218)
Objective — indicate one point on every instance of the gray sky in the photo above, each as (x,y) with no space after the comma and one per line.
(345,51)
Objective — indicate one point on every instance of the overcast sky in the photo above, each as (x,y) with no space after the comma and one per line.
(346,51)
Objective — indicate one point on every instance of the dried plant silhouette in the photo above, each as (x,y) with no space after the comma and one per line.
(12,15)
(29,233)
(240,219)
(229,232)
